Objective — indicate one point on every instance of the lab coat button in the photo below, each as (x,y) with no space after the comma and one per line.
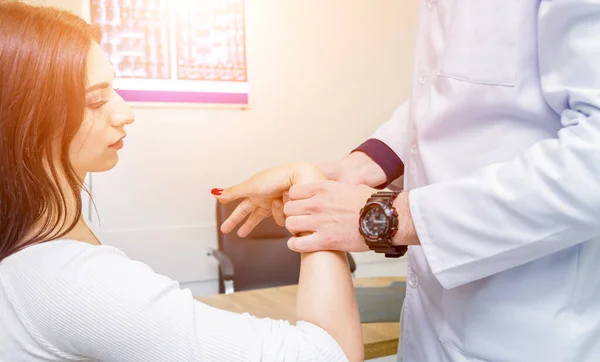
(429,4)
(413,148)
(413,281)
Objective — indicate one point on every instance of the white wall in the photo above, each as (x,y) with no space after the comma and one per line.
(323,75)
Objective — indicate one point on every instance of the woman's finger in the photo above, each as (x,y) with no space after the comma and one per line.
(244,209)
(270,183)
(247,188)
(254,219)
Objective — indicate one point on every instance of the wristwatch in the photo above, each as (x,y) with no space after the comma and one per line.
(378,223)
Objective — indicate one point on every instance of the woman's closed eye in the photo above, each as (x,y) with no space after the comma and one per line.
(96,104)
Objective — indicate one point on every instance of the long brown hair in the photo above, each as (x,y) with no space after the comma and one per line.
(43,78)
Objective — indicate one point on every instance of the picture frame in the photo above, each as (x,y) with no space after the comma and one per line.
(175,52)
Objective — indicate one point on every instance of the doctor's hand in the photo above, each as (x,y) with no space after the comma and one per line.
(263,195)
(330,210)
(356,169)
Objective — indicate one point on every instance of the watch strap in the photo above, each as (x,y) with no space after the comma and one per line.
(391,195)
(390,251)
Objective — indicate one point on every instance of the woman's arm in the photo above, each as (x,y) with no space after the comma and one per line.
(77,300)
(325,291)
(82,301)
(326,298)
(326,295)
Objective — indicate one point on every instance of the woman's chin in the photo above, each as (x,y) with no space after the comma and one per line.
(106,165)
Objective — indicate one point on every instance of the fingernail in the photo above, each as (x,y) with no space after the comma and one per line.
(216,192)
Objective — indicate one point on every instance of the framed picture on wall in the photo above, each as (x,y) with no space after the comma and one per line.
(175,51)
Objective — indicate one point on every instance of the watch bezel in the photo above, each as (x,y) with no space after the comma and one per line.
(392,220)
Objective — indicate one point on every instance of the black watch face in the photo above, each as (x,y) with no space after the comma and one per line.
(374,222)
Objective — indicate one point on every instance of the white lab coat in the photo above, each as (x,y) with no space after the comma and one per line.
(501,144)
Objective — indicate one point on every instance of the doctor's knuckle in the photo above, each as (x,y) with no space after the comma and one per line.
(313,207)
(291,224)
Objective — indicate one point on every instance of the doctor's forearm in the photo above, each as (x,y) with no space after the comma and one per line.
(406,235)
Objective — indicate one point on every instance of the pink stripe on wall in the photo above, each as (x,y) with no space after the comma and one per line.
(183,97)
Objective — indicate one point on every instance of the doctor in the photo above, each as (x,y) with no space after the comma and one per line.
(500,141)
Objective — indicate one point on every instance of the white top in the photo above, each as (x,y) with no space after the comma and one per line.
(67,300)
(501,145)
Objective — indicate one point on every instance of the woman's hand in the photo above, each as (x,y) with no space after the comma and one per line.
(263,195)
(328,302)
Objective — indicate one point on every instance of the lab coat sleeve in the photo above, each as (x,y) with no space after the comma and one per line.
(546,199)
(387,145)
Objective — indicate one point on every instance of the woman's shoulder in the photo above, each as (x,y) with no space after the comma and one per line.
(57,265)
(78,298)
(58,268)
(68,276)
(61,254)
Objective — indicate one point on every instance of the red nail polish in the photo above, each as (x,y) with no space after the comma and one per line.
(216,192)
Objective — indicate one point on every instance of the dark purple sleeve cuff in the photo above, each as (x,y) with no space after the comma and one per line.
(385,157)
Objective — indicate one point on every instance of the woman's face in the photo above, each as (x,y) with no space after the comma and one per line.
(97,142)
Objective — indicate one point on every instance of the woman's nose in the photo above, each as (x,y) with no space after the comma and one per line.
(123,114)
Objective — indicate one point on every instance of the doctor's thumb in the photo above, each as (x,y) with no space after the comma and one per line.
(305,242)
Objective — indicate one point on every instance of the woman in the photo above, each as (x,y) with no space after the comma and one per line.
(63,296)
